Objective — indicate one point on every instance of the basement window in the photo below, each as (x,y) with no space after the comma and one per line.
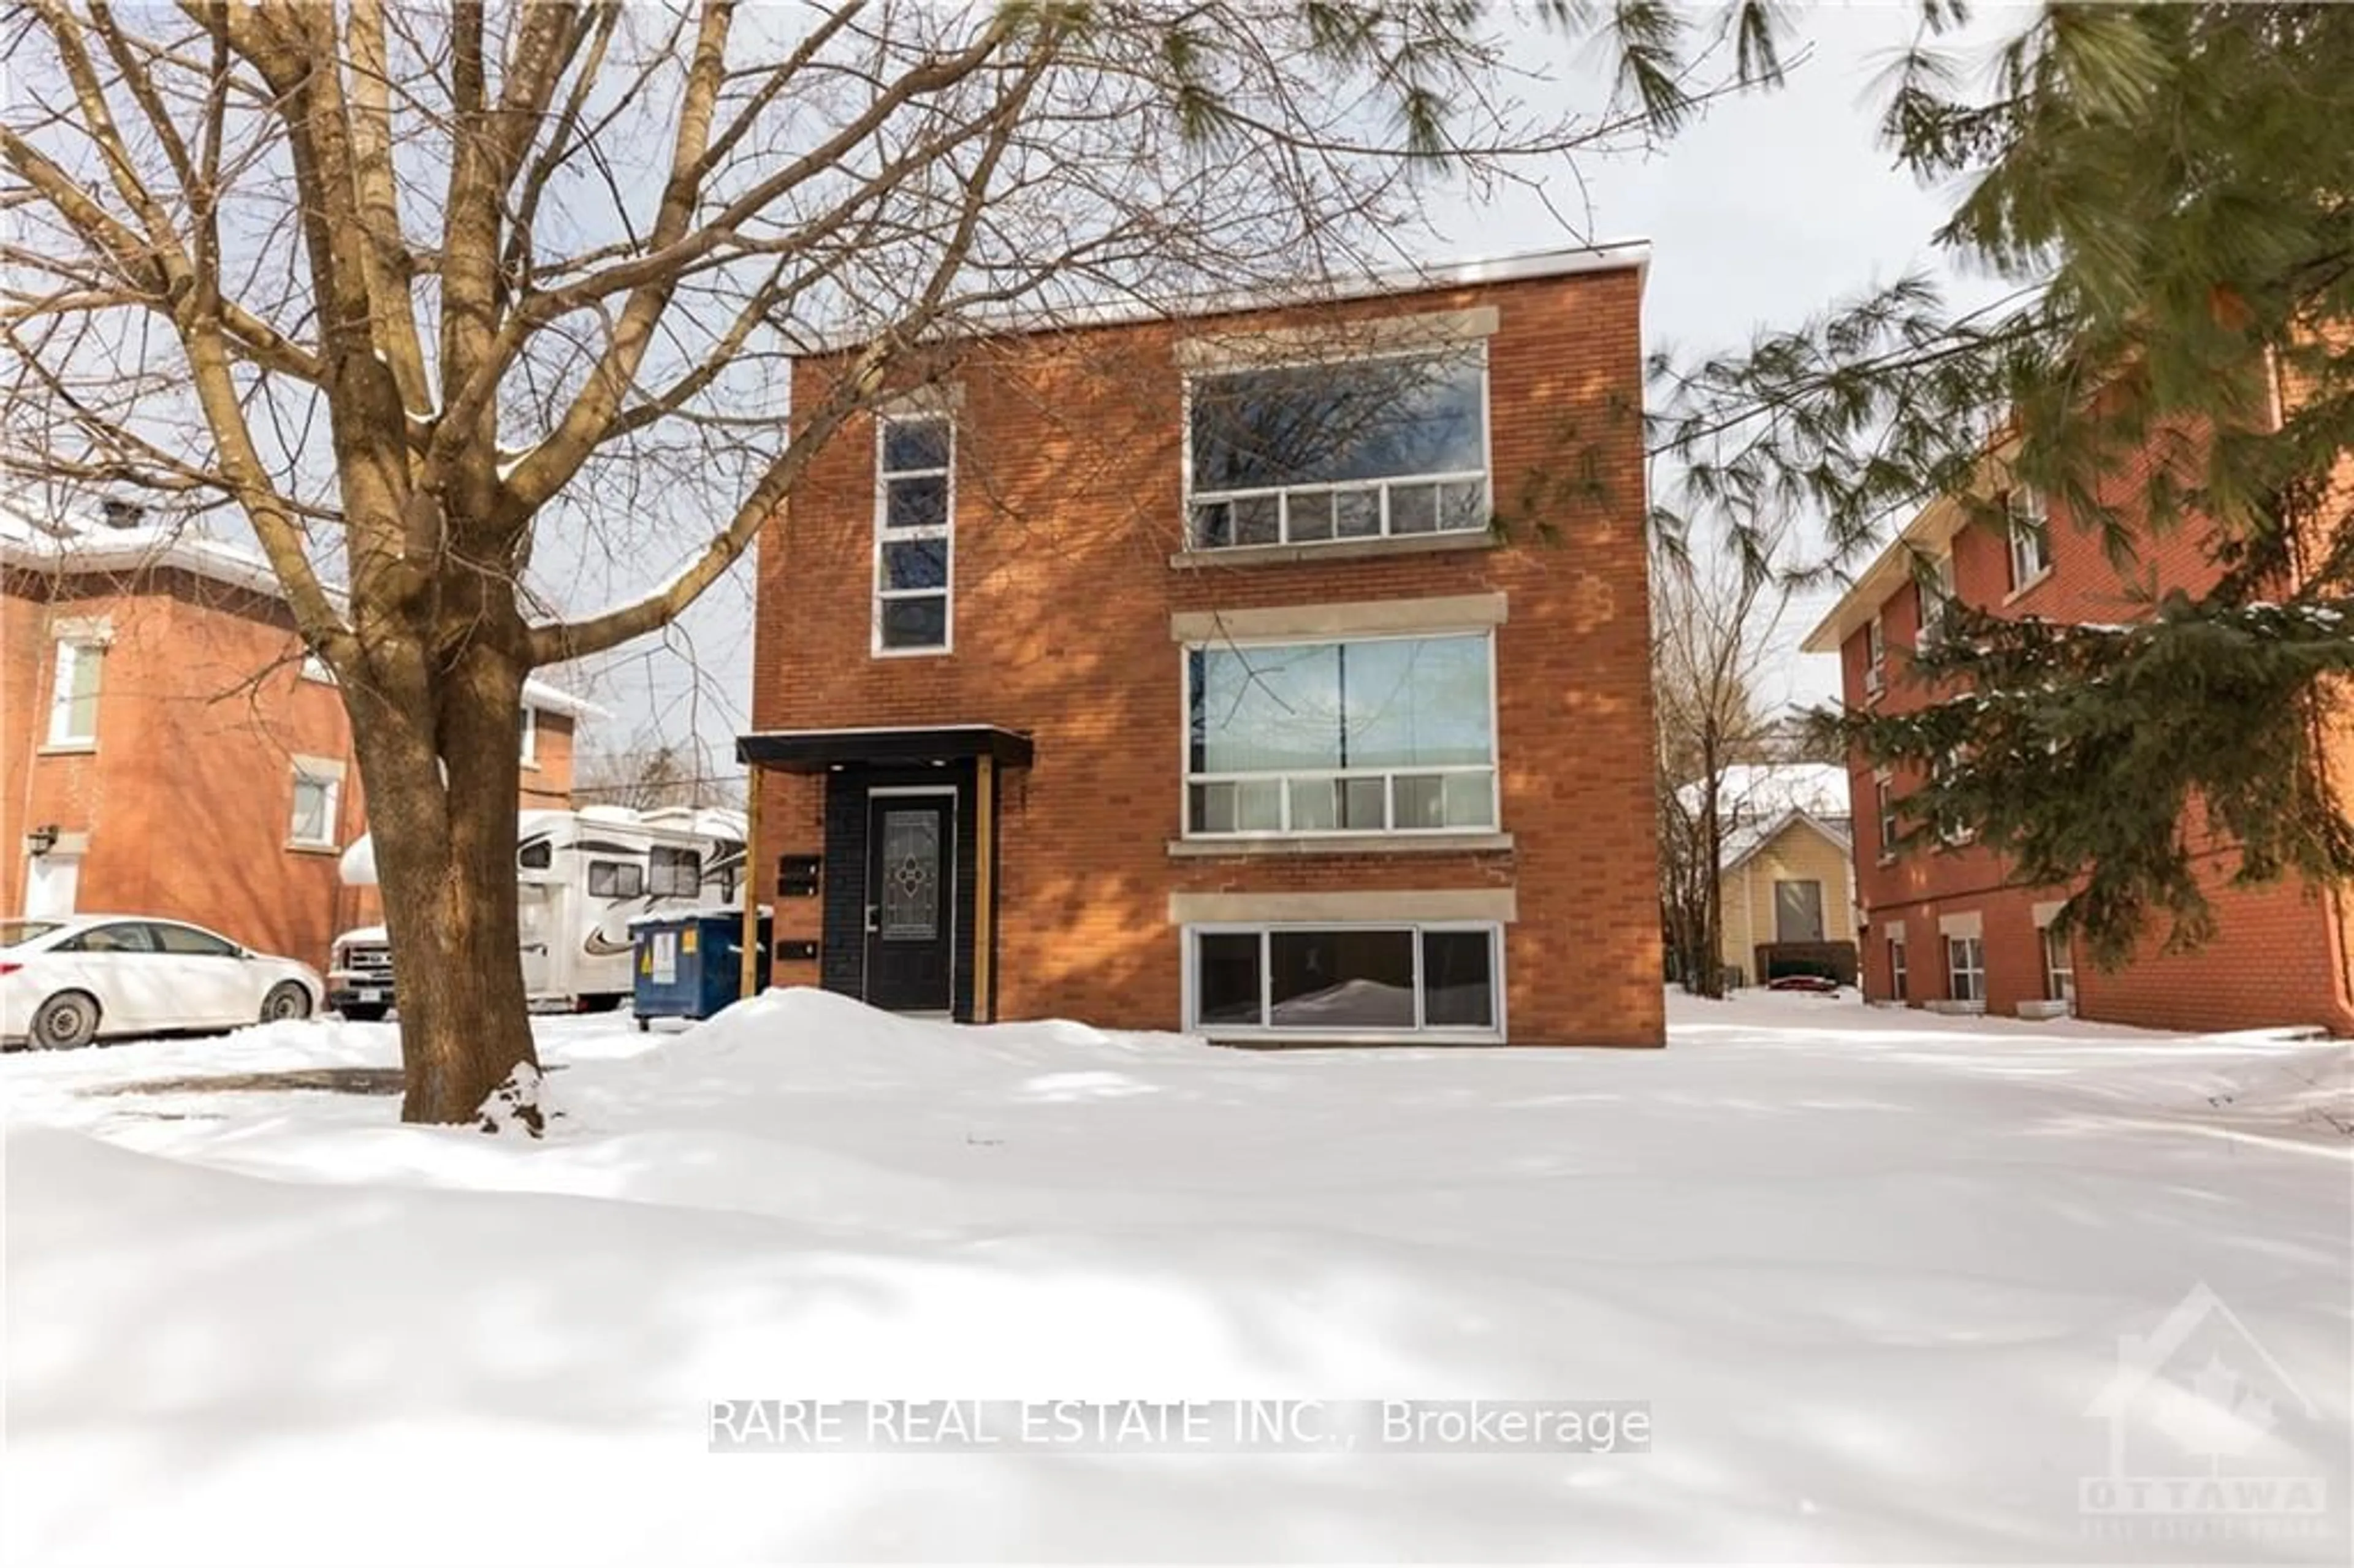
(1357,982)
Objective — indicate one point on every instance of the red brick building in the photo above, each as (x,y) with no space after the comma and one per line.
(1944,924)
(1281,673)
(165,750)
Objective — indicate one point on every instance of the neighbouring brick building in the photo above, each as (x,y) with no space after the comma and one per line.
(1942,924)
(166,749)
(1281,673)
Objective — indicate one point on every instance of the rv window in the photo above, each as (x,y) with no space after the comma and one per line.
(675,873)
(537,855)
(615,879)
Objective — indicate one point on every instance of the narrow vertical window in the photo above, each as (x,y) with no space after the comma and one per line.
(1875,656)
(915,508)
(2031,536)
(74,700)
(1898,979)
(528,734)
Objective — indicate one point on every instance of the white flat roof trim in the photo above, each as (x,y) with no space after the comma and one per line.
(1612,256)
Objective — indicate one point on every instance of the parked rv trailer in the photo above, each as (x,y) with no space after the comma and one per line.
(580,878)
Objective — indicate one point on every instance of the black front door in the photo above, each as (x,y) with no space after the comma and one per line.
(911,901)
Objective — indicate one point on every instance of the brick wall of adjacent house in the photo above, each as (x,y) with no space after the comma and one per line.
(2282,954)
(1067,511)
(186,796)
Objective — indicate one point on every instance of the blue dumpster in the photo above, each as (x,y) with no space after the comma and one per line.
(691,965)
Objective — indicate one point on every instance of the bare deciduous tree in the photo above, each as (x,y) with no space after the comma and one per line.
(418,292)
(1713,623)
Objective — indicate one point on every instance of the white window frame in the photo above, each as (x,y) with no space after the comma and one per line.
(70,653)
(944,532)
(1883,803)
(528,750)
(1971,973)
(1476,351)
(2030,536)
(1938,587)
(1952,832)
(2059,966)
(1900,973)
(1187,778)
(1875,656)
(332,786)
(1189,963)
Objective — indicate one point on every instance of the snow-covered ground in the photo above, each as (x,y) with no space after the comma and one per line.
(1871,1270)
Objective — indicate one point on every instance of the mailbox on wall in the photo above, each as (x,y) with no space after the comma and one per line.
(797,876)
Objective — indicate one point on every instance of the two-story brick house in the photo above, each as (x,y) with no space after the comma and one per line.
(1942,923)
(1275,673)
(166,749)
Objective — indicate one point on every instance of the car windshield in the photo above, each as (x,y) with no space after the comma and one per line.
(12,932)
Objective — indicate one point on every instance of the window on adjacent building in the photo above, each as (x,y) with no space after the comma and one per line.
(528,734)
(1953,827)
(315,809)
(1936,588)
(1966,969)
(73,698)
(2059,967)
(615,879)
(315,669)
(915,508)
(1883,800)
(1797,911)
(2030,534)
(1875,655)
(1899,978)
(672,873)
(1389,735)
(1373,979)
(1308,455)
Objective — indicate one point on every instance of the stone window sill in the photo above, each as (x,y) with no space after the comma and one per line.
(1335,550)
(1342,844)
(67,748)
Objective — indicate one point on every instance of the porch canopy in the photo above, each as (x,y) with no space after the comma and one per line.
(822,750)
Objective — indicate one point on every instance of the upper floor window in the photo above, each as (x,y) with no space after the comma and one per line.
(1884,801)
(2030,534)
(1875,655)
(915,508)
(73,699)
(1389,735)
(1306,454)
(315,791)
(1937,585)
(528,734)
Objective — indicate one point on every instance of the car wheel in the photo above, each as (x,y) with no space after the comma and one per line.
(67,1022)
(364,1011)
(287,1000)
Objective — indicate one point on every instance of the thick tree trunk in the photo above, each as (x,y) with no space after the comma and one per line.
(445,865)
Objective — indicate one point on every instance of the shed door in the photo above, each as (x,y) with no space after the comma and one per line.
(911,901)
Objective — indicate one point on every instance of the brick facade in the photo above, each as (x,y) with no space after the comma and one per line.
(182,805)
(1068,511)
(2282,955)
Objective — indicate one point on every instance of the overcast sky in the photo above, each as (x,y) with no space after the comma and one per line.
(1771,207)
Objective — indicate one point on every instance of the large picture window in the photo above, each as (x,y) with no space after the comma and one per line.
(1389,735)
(915,508)
(1366,980)
(1309,454)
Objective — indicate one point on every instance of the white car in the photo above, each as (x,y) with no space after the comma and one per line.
(67,981)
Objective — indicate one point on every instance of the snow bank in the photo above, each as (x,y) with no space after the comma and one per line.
(1869,1270)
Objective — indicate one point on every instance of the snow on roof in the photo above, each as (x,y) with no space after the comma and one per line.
(62,542)
(1756,801)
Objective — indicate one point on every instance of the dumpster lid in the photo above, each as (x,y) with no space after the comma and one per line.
(817,750)
(705,912)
